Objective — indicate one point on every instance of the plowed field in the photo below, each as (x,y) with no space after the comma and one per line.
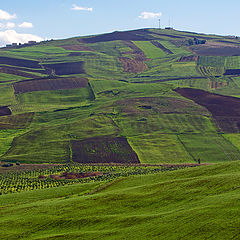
(132,65)
(49,84)
(225,110)
(66,68)
(19,62)
(103,150)
(4,111)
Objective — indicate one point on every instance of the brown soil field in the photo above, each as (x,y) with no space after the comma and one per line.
(66,68)
(5,111)
(224,109)
(72,175)
(17,72)
(103,150)
(49,84)
(19,62)
(18,121)
(232,72)
(132,65)
(216,49)
(128,35)
(188,58)
(78,47)
(159,45)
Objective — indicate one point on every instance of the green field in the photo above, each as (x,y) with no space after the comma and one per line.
(198,203)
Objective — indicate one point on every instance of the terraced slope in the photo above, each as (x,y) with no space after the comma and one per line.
(57,95)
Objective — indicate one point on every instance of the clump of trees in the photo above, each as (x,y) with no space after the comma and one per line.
(196,41)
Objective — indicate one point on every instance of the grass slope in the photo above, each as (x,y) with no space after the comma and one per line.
(197,203)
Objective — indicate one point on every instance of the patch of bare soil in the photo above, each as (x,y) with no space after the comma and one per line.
(49,84)
(224,109)
(5,111)
(137,35)
(103,150)
(191,58)
(65,68)
(132,65)
(17,72)
(159,45)
(216,49)
(19,62)
(18,121)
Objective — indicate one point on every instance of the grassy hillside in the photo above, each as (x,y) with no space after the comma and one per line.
(196,203)
(126,79)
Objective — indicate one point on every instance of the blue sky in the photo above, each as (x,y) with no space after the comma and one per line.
(68,18)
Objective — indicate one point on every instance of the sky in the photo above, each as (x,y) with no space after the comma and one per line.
(24,20)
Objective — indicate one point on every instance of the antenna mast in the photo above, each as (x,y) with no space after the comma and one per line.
(159,21)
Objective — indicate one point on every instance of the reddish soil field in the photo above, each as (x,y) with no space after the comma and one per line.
(17,72)
(79,47)
(225,110)
(159,45)
(103,150)
(188,58)
(5,111)
(65,68)
(49,84)
(18,121)
(129,35)
(132,65)
(72,175)
(19,62)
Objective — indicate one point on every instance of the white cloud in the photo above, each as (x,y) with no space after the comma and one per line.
(26,25)
(11,36)
(10,25)
(78,8)
(6,16)
(149,15)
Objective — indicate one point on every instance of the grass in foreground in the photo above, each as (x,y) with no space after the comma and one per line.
(198,203)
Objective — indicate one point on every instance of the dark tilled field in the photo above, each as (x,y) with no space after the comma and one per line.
(66,68)
(159,45)
(18,121)
(17,72)
(5,111)
(103,150)
(19,62)
(49,84)
(224,109)
(129,35)
(202,50)
(232,72)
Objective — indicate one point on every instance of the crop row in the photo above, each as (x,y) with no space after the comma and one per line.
(43,178)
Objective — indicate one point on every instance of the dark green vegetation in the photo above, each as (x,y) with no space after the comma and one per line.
(144,96)
(196,203)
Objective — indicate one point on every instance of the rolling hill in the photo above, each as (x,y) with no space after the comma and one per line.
(106,133)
